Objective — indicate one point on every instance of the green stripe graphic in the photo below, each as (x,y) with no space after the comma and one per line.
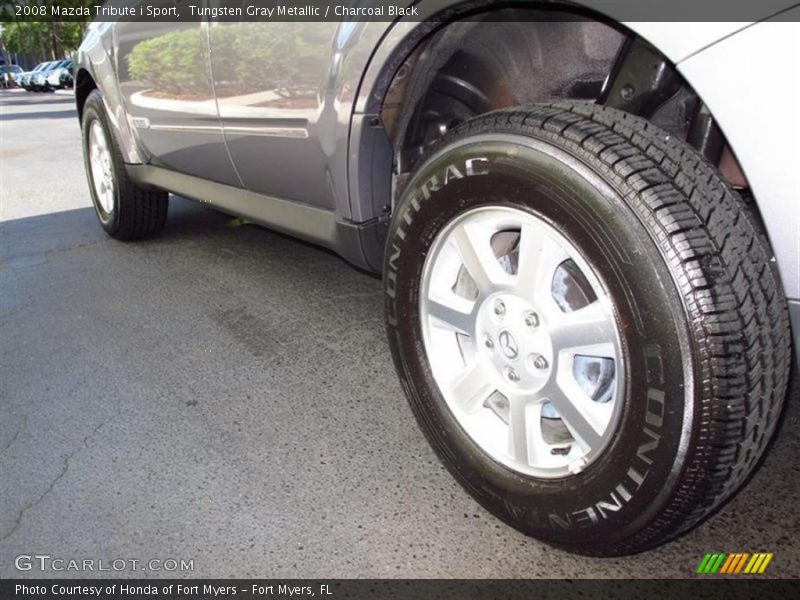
(718,564)
(710,564)
(701,568)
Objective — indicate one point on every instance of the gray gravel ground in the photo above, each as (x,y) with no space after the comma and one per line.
(225,394)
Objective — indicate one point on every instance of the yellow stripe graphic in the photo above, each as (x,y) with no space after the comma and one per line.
(764,564)
(749,566)
(757,563)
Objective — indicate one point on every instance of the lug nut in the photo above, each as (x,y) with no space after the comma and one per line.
(487,340)
(532,320)
(499,308)
(540,362)
(511,374)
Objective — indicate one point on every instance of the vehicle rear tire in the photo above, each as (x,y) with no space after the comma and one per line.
(654,265)
(126,210)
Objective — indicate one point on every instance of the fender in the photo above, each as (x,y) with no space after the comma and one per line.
(96,57)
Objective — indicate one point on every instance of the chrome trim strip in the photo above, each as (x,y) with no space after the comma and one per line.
(288,132)
(195,128)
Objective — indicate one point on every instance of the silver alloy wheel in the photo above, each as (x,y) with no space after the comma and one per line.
(101,167)
(522,341)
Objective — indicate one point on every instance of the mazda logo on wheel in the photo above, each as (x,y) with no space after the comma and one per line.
(508,345)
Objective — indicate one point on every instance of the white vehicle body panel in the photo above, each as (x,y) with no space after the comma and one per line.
(750,83)
(678,41)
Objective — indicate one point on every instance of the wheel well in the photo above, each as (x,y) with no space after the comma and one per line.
(84,84)
(504,58)
(515,56)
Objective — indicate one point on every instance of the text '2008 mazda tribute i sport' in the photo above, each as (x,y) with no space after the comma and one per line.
(587,230)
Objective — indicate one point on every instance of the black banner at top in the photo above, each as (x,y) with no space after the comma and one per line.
(388,10)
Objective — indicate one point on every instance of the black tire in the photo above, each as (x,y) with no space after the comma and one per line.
(702,315)
(138,212)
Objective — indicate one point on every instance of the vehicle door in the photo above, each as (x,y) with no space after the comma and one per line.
(165,80)
(270,79)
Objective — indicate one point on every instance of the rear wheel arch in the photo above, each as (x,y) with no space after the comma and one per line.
(84,84)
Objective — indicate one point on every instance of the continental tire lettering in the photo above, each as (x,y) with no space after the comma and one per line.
(559,521)
(586,517)
(624,493)
(643,449)
(615,505)
(655,408)
(636,477)
(592,515)
(654,418)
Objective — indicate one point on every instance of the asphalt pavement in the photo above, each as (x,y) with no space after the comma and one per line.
(224,394)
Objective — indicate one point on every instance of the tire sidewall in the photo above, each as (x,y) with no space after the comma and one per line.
(93,111)
(629,484)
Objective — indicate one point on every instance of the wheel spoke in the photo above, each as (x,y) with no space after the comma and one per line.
(518,431)
(539,257)
(589,330)
(450,316)
(473,386)
(526,440)
(478,258)
(100,138)
(575,417)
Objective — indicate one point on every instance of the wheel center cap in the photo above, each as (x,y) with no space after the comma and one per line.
(508,345)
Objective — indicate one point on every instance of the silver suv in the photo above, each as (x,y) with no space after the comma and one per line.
(587,230)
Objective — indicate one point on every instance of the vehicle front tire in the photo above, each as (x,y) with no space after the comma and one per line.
(587,324)
(126,210)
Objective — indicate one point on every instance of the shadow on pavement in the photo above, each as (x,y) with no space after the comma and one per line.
(69,229)
(53,114)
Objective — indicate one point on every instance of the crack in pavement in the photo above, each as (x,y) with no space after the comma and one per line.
(21,427)
(84,444)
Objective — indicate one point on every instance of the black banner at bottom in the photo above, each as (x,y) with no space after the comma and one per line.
(338,589)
